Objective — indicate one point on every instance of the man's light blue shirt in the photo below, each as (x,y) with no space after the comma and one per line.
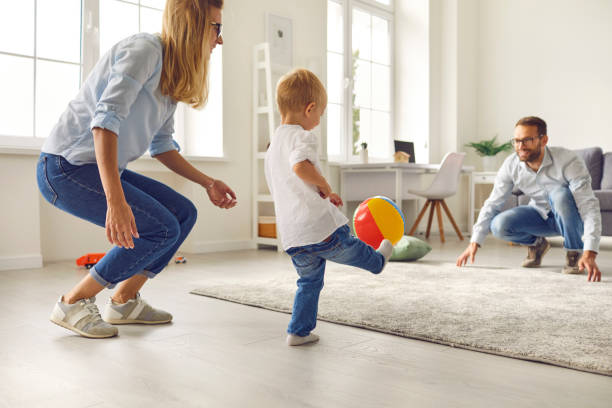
(122,95)
(560,167)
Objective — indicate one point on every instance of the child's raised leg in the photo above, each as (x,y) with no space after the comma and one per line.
(350,250)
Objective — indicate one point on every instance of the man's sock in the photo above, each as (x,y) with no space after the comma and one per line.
(295,340)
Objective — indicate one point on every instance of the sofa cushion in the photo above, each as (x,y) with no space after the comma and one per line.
(606,223)
(606,179)
(593,158)
(605,199)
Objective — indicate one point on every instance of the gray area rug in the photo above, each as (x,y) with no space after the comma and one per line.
(530,314)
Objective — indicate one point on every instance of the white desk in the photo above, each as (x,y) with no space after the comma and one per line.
(359,181)
(478,178)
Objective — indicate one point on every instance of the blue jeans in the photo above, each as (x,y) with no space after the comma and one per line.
(163,216)
(309,261)
(523,224)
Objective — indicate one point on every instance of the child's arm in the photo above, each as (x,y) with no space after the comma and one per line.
(309,174)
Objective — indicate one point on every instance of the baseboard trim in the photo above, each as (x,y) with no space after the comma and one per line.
(20,262)
(204,247)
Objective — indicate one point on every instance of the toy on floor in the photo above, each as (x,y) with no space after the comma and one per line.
(180,259)
(89,260)
(378,218)
(409,249)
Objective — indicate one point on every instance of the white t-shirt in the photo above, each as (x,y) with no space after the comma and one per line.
(302,216)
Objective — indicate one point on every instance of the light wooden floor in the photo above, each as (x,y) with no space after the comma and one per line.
(220,354)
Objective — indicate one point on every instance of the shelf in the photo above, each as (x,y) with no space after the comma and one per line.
(266,241)
(266,198)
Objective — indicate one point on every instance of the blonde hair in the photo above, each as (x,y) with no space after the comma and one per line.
(297,88)
(186,34)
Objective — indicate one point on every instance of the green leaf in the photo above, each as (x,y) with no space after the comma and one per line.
(489,147)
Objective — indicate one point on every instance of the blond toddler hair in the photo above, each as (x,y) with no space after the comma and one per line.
(297,88)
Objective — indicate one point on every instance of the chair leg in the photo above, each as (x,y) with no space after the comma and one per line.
(418,220)
(452,220)
(440,222)
(431,213)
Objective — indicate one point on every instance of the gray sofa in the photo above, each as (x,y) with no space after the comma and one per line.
(599,165)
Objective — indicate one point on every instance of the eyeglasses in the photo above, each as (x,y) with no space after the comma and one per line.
(218,28)
(527,141)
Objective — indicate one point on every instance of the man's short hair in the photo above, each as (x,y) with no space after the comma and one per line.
(533,121)
(297,88)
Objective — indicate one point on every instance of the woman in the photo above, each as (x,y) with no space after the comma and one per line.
(125,107)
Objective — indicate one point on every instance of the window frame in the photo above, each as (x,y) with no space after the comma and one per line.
(22,144)
(381,11)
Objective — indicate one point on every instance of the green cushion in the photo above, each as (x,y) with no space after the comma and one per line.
(409,249)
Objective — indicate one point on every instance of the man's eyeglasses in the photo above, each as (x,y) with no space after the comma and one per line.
(218,29)
(527,141)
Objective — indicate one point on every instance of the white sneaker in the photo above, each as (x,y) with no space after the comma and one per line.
(295,340)
(82,317)
(134,311)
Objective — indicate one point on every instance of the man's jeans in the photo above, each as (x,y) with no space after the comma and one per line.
(163,216)
(309,261)
(523,224)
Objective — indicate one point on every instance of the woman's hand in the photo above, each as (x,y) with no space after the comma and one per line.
(120,225)
(221,195)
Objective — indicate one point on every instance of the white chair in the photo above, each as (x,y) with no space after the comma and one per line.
(443,186)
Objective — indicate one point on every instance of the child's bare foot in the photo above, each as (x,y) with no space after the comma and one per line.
(295,340)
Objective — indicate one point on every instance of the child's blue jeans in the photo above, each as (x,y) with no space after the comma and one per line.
(523,224)
(309,261)
(163,216)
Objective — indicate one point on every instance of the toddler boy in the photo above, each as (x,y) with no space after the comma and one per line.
(311,228)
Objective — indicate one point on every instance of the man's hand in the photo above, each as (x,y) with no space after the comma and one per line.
(587,261)
(221,195)
(336,200)
(470,252)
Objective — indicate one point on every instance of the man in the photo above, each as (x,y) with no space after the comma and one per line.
(562,203)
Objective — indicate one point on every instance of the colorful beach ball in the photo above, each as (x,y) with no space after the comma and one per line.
(378,218)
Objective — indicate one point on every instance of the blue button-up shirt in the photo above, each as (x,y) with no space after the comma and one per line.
(122,95)
(560,167)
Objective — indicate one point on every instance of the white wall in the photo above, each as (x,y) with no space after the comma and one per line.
(485,63)
(19,213)
(495,61)
(412,75)
(550,58)
(31,227)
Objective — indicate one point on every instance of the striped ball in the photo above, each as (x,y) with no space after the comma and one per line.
(378,218)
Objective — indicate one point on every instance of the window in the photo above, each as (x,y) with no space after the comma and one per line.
(42,63)
(359,83)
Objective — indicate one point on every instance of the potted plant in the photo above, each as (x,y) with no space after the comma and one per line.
(363,153)
(487,149)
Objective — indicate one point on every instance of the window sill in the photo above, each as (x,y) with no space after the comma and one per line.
(20,145)
(189,158)
(20,151)
(35,151)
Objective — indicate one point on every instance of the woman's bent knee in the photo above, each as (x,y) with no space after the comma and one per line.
(192,215)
